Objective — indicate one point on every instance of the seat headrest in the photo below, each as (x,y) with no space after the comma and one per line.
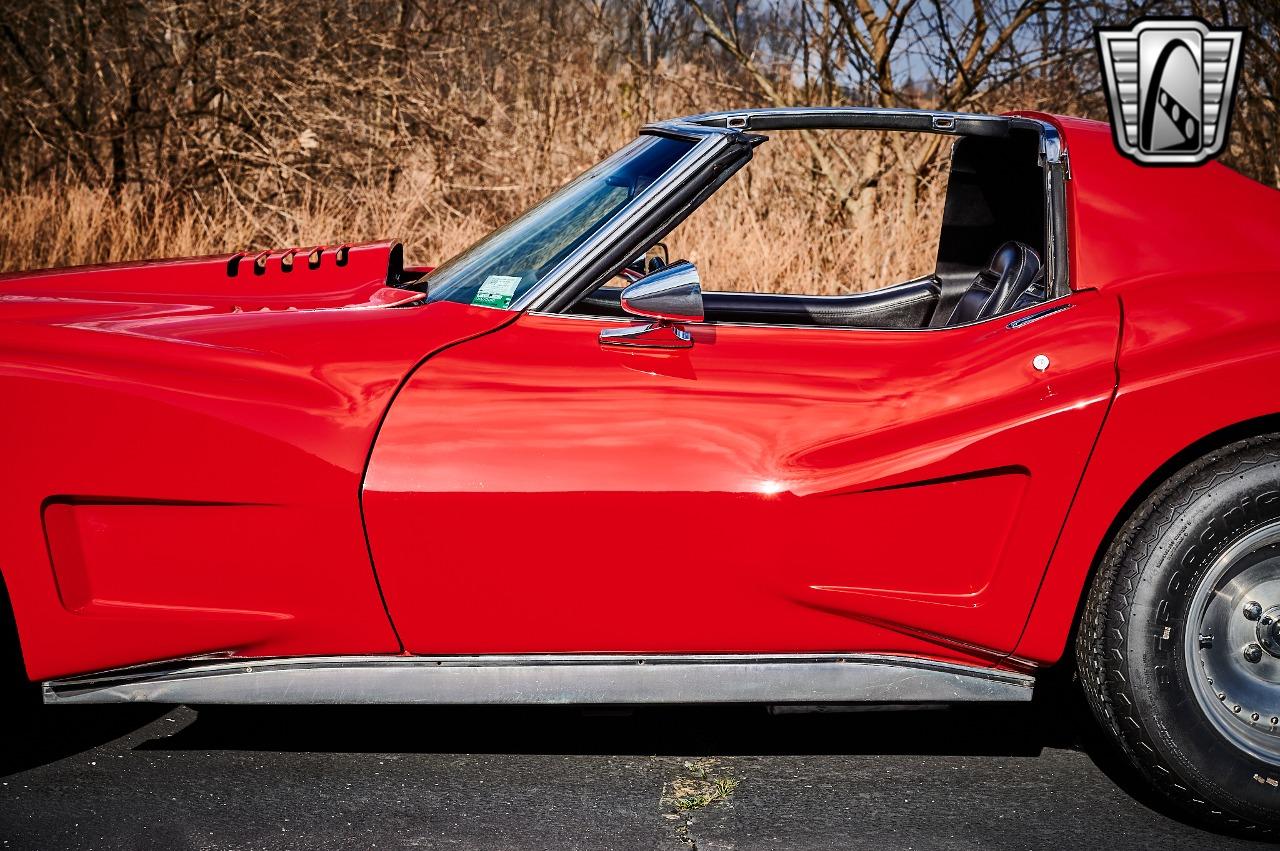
(995,289)
(1007,256)
(1014,266)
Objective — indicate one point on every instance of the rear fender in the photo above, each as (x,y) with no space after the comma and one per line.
(1196,370)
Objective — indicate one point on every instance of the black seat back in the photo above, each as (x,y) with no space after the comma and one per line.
(995,289)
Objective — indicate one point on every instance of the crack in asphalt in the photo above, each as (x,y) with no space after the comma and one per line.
(699,786)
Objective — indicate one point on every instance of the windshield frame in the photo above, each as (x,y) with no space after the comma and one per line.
(705,143)
(708,142)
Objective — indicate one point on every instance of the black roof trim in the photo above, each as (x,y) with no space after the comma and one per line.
(852,118)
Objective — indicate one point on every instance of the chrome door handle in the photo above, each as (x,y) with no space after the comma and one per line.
(654,335)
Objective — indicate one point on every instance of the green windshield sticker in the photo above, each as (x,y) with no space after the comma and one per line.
(496,291)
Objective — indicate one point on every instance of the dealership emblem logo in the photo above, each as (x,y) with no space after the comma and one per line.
(1170,83)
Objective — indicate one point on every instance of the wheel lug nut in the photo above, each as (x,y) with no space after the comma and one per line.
(1254,716)
(1252,610)
(1253,653)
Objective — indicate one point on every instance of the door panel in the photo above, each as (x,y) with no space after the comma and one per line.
(767,490)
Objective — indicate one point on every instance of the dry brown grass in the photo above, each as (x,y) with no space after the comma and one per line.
(770,229)
(206,126)
(437,150)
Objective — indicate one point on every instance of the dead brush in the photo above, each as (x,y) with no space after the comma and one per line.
(770,229)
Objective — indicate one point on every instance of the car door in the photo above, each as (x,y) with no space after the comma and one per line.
(769,489)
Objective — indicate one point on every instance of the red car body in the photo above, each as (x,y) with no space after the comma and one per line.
(280,462)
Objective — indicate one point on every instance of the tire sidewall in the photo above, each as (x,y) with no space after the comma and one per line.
(1222,509)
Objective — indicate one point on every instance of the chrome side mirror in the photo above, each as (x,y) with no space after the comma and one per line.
(671,295)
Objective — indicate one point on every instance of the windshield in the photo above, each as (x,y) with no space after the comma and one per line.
(505,264)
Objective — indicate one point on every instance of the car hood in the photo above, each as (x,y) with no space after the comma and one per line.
(318,278)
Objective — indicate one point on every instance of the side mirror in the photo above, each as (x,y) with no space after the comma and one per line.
(671,295)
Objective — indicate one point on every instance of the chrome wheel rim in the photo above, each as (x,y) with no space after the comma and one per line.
(1232,643)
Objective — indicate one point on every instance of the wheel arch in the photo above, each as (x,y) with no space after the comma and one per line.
(1052,626)
(1201,447)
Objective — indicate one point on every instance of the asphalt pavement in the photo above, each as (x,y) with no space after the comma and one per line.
(551,778)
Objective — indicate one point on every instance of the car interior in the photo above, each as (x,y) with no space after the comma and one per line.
(988,260)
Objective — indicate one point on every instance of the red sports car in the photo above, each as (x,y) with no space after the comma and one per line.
(317,476)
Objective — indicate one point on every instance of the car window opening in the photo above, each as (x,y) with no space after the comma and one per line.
(989,259)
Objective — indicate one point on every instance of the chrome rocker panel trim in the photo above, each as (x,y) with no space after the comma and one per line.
(522,680)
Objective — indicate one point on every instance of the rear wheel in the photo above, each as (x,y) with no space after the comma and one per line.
(1179,645)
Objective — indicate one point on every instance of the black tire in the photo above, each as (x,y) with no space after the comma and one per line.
(1130,648)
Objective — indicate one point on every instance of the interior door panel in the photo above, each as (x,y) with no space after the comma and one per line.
(771,489)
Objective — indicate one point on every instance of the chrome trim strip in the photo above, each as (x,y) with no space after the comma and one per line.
(1057,171)
(548,679)
(1058,270)
(1052,149)
(1036,317)
(682,127)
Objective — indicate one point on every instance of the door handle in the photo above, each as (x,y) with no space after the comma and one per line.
(654,335)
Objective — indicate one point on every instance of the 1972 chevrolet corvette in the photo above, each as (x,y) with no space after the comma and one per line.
(317,476)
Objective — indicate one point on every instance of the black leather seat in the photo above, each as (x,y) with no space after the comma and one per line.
(996,288)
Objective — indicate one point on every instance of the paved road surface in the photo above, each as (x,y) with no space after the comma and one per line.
(392,778)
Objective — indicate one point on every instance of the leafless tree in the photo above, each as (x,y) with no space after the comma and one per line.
(264,108)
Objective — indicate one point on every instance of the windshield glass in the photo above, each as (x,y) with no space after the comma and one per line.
(505,264)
